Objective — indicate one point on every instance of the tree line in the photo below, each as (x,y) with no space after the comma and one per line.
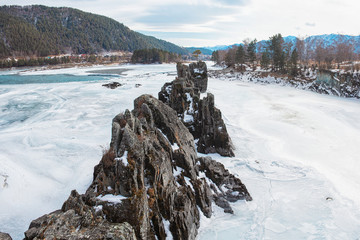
(286,57)
(46,61)
(154,55)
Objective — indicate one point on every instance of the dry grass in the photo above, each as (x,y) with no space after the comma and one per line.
(108,157)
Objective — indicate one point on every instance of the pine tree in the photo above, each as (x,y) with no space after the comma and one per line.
(277,52)
(293,62)
(240,56)
(215,57)
(251,53)
(265,59)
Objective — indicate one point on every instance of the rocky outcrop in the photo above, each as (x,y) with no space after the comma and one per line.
(200,116)
(5,236)
(112,85)
(196,73)
(225,186)
(344,84)
(150,184)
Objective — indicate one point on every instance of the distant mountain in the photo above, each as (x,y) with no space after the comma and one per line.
(209,50)
(312,41)
(40,30)
(332,39)
(219,47)
(203,50)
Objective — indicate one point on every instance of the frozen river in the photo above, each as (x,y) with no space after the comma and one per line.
(296,151)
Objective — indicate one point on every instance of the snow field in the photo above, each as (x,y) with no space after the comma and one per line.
(296,151)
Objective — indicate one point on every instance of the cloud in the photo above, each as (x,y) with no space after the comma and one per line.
(218,22)
(233,2)
(177,15)
(310,24)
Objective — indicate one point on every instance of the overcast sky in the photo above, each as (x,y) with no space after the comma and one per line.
(222,22)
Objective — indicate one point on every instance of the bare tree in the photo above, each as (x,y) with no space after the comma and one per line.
(300,47)
(230,56)
(344,50)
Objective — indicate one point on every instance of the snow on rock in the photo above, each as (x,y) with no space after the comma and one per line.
(112,198)
(167,229)
(123,159)
(197,70)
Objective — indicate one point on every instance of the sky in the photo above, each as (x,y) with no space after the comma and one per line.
(221,22)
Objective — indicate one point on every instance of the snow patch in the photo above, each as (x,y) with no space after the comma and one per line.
(167,229)
(123,159)
(98,208)
(178,171)
(198,70)
(112,198)
(174,146)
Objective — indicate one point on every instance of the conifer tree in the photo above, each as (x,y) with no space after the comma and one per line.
(277,52)
(215,57)
(293,62)
(240,56)
(251,52)
(265,59)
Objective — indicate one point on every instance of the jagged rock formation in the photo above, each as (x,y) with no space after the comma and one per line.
(5,236)
(200,116)
(150,183)
(78,219)
(221,178)
(196,73)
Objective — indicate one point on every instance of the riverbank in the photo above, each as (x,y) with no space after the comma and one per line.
(340,83)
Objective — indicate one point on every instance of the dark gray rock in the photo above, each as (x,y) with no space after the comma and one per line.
(112,85)
(5,236)
(203,196)
(196,73)
(199,75)
(226,187)
(201,117)
(214,137)
(69,225)
(223,203)
(79,218)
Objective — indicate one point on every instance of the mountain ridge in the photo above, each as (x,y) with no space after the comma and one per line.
(327,39)
(41,30)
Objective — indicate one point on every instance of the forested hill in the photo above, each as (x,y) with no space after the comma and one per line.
(41,31)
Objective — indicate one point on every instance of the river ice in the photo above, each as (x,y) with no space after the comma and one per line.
(296,151)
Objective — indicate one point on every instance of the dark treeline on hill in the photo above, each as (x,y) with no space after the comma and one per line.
(41,31)
(154,56)
(46,61)
(287,57)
